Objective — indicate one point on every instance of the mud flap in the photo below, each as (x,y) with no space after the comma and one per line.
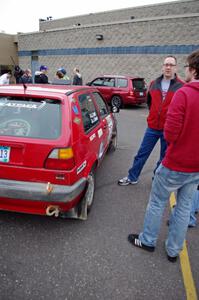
(78,212)
(83,209)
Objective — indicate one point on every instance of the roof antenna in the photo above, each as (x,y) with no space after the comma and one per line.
(25,86)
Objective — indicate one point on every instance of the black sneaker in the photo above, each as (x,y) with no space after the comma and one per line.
(172,258)
(126,181)
(191,226)
(134,240)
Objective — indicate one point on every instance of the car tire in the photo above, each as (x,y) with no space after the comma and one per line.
(116,101)
(90,191)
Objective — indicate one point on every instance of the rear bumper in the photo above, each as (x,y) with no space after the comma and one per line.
(45,192)
(134,100)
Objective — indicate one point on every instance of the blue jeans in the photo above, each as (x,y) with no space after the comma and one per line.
(149,141)
(194,209)
(165,182)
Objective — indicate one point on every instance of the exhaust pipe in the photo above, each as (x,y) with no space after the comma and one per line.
(52,210)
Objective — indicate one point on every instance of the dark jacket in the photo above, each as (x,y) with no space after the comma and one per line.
(181,130)
(25,79)
(157,106)
(18,73)
(40,77)
(77,79)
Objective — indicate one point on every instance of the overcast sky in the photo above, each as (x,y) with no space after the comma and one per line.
(23,16)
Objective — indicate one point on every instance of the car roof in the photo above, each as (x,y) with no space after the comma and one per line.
(121,76)
(40,89)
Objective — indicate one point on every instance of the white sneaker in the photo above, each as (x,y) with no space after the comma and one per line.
(126,181)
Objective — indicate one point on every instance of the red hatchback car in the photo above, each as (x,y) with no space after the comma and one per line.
(52,139)
(121,90)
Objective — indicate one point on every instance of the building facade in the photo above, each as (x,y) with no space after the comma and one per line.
(128,41)
(8,52)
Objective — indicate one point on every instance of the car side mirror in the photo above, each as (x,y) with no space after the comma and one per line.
(88,83)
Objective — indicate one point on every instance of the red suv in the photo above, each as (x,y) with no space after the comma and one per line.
(52,139)
(120,90)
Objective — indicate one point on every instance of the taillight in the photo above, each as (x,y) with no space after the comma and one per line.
(60,159)
(131,93)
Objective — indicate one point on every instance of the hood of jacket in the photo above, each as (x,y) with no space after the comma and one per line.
(193,85)
(38,73)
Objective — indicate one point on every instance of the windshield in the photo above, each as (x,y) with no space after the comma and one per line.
(29,117)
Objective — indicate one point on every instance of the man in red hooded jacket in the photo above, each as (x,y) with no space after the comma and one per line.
(179,170)
(159,97)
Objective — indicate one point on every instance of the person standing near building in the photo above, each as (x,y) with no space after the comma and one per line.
(159,96)
(26,77)
(5,78)
(179,170)
(77,79)
(61,77)
(62,74)
(41,76)
(18,73)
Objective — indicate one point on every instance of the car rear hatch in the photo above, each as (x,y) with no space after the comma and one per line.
(139,87)
(30,131)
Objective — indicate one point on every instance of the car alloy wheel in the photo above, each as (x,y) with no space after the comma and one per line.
(116,101)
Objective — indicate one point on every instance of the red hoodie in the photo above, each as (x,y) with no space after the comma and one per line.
(181,130)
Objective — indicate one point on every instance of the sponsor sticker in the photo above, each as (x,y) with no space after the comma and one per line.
(75,109)
(73,100)
(92,137)
(100,132)
(81,167)
(77,120)
(23,105)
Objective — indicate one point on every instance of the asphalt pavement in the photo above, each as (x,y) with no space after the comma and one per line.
(63,259)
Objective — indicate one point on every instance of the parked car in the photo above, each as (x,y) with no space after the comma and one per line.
(121,90)
(52,140)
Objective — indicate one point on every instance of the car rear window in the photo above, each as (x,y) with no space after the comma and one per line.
(30,117)
(138,84)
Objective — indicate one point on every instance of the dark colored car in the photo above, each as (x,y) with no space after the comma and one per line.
(121,90)
(52,139)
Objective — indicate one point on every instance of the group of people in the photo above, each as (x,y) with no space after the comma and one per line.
(41,76)
(174,120)
(21,76)
(61,77)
